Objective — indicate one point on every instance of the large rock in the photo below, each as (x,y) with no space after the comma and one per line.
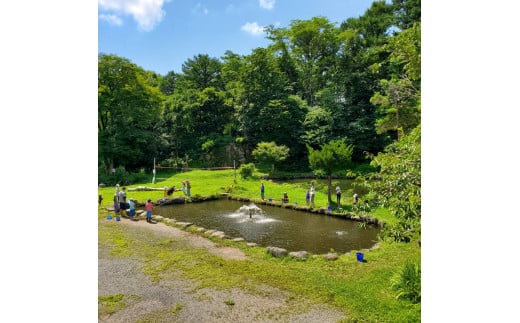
(276,252)
(330,256)
(299,254)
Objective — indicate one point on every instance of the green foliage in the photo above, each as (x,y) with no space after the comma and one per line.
(398,184)
(407,283)
(246,170)
(229,302)
(268,153)
(129,103)
(122,177)
(333,156)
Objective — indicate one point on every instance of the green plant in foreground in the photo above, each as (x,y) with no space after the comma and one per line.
(229,302)
(111,303)
(176,308)
(407,283)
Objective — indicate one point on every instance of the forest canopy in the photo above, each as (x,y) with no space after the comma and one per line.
(316,82)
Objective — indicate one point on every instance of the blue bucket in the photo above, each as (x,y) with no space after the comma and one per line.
(270,199)
(330,208)
(109,217)
(118,218)
(359,256)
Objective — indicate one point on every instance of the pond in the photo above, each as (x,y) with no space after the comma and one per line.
(275,226)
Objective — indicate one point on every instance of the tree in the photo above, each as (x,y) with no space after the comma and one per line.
(202,72)
(128,112)
(268,153)
(333,156)
(398,184)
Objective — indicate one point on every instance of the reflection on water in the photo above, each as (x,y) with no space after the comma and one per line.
(275,226)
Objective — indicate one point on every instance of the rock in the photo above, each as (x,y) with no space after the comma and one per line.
(210,232)
(299,254)
(201,229)
(330,256)
(276,252)
(218,234)
(239,239)
(184,225)
(157,217)
(251,244)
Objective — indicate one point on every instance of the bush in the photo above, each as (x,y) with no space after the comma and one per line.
(246,170)
(407,283)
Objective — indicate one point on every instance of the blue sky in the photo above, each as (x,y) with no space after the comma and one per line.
(160,35)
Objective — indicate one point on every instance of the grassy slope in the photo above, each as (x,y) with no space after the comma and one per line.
(362,290)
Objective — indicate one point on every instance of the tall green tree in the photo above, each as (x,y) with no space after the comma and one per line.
(334,156)
(128,113)
(201,72)
(399,98)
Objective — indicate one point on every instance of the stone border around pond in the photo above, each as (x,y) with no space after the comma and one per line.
(274,251)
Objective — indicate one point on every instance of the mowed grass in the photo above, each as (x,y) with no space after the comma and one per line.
(361,290)
(205,183)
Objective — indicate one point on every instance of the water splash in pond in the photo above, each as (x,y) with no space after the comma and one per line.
(275,226)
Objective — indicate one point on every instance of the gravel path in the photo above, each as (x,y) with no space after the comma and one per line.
(174,299)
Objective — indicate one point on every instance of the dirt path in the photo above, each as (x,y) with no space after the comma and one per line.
(174,299)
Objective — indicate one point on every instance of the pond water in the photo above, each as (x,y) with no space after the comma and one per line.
(275,226)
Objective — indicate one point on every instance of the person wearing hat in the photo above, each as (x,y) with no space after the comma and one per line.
(285,198)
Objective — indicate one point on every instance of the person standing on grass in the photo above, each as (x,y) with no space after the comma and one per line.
(188,188)
(131,211)
(262,190)
(149,208)
(338,196)
(312,195)
(307,197)
(183,188)
(122,201)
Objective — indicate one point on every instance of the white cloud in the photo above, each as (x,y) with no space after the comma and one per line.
(267,4)
(111,19)
(147,13)
(253,28)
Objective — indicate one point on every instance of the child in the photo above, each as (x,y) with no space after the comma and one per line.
(285,198)
(131,211)
(149,208)
(116,203)
(355,198)
(307,197)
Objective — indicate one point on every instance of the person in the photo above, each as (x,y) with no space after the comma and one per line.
(131,211)
(285,198)
(338,196)
(100,199)
(312,195)
(262,190)
(355,197)
(183,188)
(122,201)
(165,190)
(307,197)
(188,188)
(116,203)
(149,208)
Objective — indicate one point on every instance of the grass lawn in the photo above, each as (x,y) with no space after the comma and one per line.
(361,290)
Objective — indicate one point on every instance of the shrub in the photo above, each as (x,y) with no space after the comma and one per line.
(407,283)
(246,170)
